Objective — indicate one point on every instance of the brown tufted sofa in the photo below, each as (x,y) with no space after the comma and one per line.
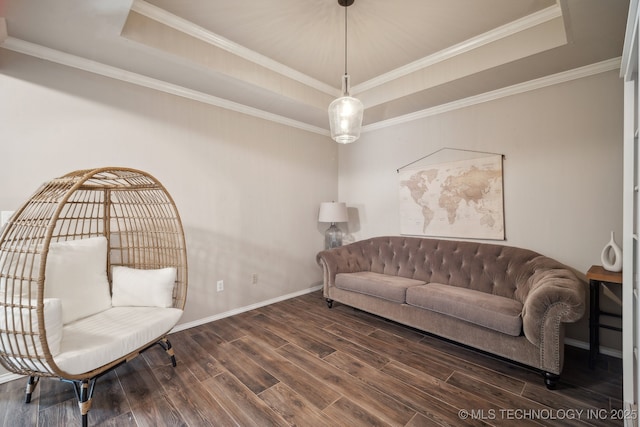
(508,301)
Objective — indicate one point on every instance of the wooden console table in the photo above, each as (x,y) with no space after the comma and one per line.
(599,276)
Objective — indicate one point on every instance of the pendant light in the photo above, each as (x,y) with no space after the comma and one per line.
(345,113)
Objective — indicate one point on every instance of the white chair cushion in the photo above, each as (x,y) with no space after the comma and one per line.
(143,288)
(25,320)
(97,340)
(76,272)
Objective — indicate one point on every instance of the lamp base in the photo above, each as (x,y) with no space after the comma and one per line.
(332,237)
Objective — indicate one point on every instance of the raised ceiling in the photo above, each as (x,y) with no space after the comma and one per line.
(283,59)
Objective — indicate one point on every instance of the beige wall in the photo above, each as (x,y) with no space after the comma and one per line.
(248,190)
(562,169)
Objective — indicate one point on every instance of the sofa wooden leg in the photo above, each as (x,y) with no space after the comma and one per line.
(32,382)
(551,380)
(329,302)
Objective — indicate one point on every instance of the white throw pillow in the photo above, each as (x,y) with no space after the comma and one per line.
(76,272)
(25,320)
(143,288)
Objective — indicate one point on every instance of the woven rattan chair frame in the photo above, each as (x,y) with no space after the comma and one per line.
(129,207)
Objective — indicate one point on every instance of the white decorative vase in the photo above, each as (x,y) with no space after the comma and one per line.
(611,256)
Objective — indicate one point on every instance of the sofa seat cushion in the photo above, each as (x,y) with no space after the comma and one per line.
(490,311)
(96,340)
(391,288)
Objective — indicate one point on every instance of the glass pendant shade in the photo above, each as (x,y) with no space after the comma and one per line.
(345,119)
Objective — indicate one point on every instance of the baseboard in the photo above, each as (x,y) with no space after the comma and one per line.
(585,345)
(193,324)
(5,378)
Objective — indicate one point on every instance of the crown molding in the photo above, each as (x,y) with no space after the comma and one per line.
(99,68)
(160,15)
(188,27)
(95,67)
(496,34)
(563,77)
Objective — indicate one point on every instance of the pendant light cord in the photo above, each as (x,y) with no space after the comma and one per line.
(345,40)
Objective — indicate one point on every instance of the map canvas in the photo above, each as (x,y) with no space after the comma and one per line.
(456,199)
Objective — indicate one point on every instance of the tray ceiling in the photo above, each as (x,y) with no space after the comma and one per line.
(283,59)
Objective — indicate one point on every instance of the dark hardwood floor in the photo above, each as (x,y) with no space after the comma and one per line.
(299,363)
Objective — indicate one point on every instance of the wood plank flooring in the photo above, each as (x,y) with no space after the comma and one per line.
(299,363)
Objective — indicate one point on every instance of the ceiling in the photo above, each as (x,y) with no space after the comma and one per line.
(283,59)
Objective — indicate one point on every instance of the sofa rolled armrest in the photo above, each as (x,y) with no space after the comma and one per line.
(556,296)
(344,259)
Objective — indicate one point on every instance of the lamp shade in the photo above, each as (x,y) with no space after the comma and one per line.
(345,119)
(333,212)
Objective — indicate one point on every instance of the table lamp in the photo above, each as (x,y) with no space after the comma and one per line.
(333,212)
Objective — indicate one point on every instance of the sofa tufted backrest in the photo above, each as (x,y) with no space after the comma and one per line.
(496,269)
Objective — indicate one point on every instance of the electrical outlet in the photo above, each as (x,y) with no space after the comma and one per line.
(254,278)
(220,285)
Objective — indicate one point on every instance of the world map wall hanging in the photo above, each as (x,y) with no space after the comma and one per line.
(456,198)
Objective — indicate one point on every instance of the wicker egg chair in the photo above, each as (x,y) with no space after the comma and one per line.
(140,222)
